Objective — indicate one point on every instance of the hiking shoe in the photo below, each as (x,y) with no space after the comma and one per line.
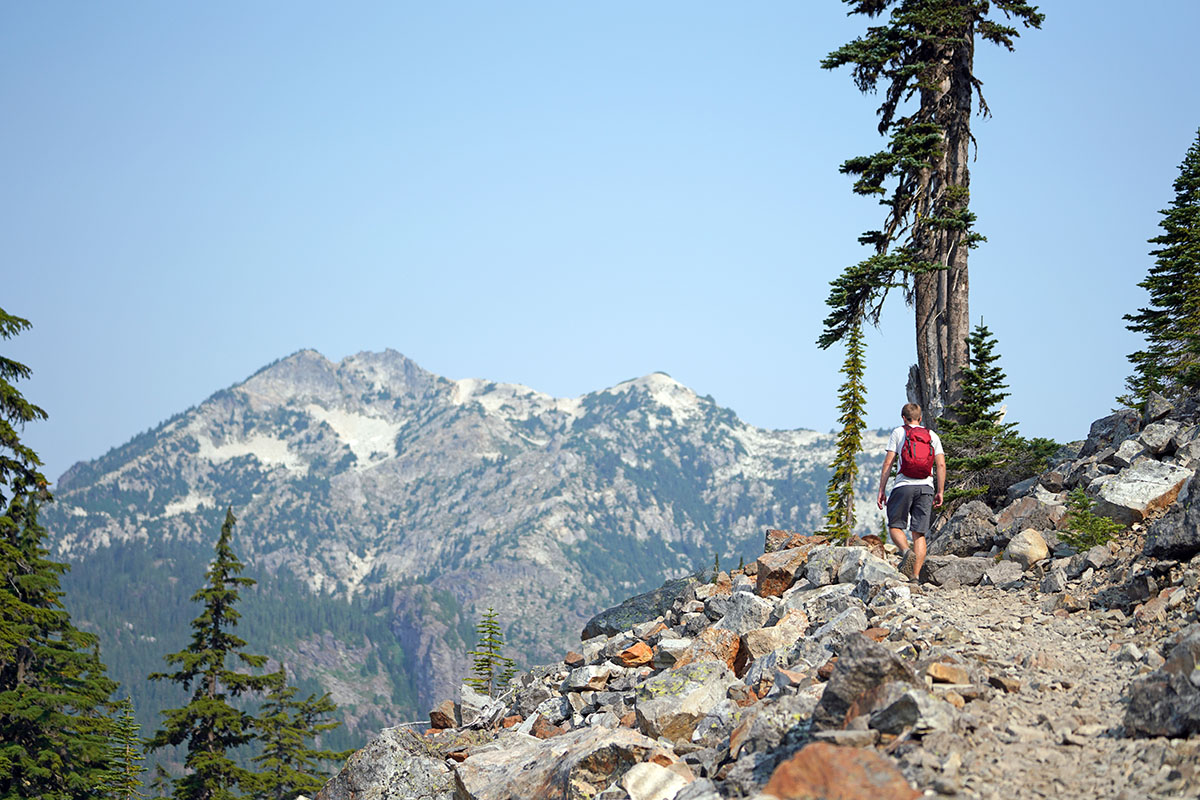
(908,564)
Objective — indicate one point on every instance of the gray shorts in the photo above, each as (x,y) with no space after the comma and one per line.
(910,503)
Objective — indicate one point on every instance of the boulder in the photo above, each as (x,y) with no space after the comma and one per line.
(823,563)
(651,781)
(1167,701)
(712,644)
(395,765)
(642,608)
(1158,438)
(834,633)
(636,655)
(668,651)
(1002,573)
(590,677)
(954,571)
(1041,511)
(1111,430)
(671,703)
(1146,487)
(443,715)
(969,531)
(862,668)
(860,564)
(1156,407)
(1129,452)
(477,709)
(784,540)
(784,633)
(745,612)
(713,730)
(581,763)
(1176,534)
(778,570)
(820,604)
(845,773)
(905,706)
(1027,548)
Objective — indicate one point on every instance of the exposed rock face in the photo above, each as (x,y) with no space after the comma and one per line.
(969,531)
(1146,487)
(1177,533)
(671,704)
(1110,430)
(862,668)
(396,765)
(649,605)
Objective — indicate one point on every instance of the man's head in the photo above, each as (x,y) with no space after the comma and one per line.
(911,413)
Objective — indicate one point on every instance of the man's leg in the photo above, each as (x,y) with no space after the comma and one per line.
(899,539)
(919,550)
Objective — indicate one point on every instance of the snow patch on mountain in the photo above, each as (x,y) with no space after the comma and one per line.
(665,391)
(512,400)
(189,504)
(269,450)
(369,438)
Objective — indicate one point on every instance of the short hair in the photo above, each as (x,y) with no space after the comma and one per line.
(911,412)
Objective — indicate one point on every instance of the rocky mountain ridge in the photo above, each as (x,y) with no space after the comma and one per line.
(1020,666)
(428,500)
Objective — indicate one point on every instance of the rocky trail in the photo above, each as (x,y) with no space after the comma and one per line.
(1020,666)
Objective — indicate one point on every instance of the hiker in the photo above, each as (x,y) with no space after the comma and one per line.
(913,497)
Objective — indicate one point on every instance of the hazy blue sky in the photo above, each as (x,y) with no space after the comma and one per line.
(563,195)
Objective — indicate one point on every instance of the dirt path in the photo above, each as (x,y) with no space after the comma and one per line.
(1057,734)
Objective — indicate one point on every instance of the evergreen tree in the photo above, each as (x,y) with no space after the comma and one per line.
(288,766)
(925,50)
(209,725)
(852,397)
(1170,364)
(127,757)
(984,456)
(491,671)
(54,693)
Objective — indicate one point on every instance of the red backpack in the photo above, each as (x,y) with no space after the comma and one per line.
(916,455)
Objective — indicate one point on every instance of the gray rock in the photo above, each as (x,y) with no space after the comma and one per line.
(1176,534)
(1002,573)
(1185,436)
(907,706)
(954,571)
(1142,489)
(834,633)
(862,667)
(1129,452)
(1156,407)
(860,564)
(581,763)
(555,710)
(1055,582)
(701,789)
(713,729)
(395,765)
(716,606)
(1159,437)
(477,709)
(746,612)
(970,530)
(1039,511)
(806,654)
(1114,428)
(692,623)
(1020,489)
(668,652)
(642,608)
(1167,702)
(671,703)
(821,604)
(822,566)
(1098,557)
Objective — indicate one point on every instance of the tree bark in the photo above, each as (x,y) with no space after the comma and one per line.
(940,299)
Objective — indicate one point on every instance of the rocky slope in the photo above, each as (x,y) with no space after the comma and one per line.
(424,501)
(1020,666)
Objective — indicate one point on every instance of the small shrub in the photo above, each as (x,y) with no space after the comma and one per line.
(1084,527)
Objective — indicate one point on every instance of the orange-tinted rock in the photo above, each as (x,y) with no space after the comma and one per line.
(742,694)
(826,670)
(659,628)
(573,659)
(458,755)
(629,719)
(876,634)
(873,544)
(778,571)
(636,655)
(544,730)
(508,722)
(947,673)
(713,644)
(785,540)
(838,773)
(442,715)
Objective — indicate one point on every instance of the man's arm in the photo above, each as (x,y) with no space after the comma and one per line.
(941,479)
(883,476)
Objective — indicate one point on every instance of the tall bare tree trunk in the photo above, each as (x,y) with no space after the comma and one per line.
(940,298)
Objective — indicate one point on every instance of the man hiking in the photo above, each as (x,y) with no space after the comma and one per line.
(913,497)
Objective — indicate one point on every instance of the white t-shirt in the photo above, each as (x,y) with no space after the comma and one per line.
(896,444)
